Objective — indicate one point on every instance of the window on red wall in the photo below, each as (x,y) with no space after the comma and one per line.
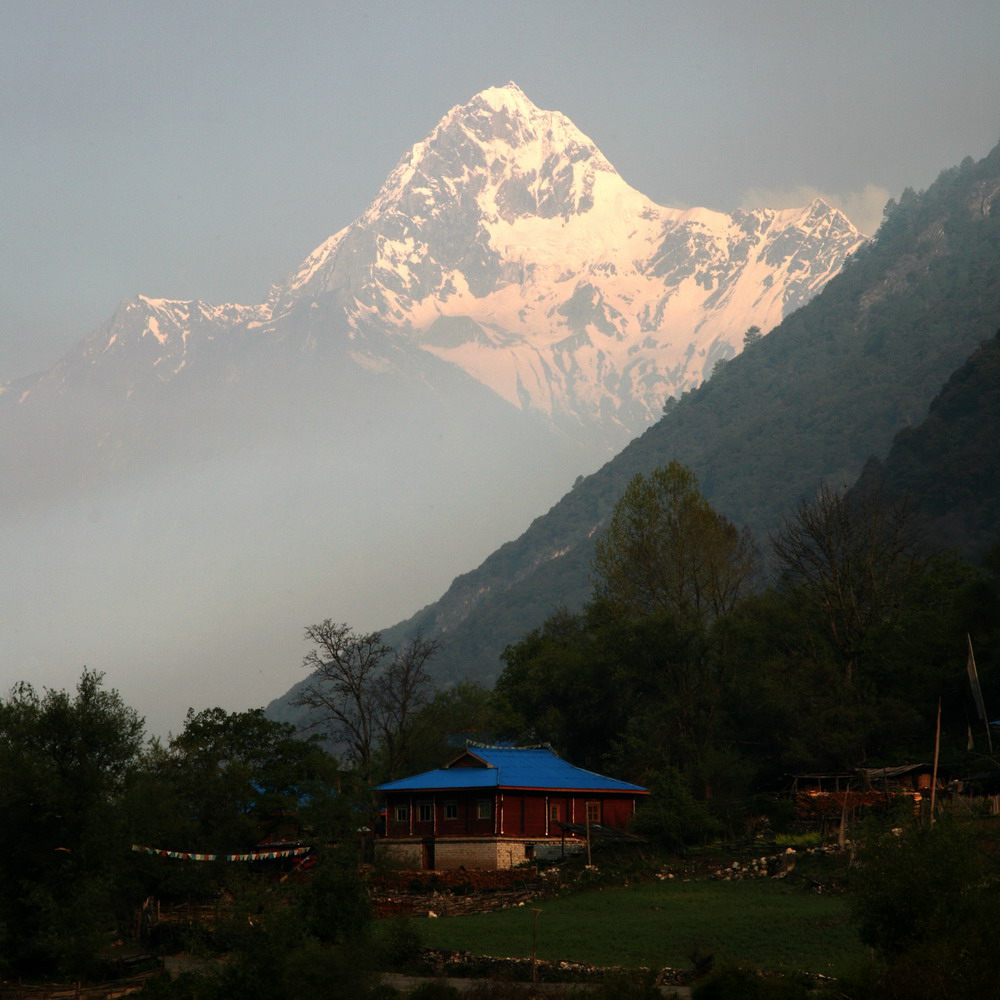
(400,814)
(426,812)
(484,809)
(451,810)
(555,812)
(593,812)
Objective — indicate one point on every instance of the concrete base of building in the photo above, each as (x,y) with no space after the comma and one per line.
(473,852)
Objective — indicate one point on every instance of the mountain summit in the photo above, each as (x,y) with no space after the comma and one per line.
(837,386)
(506,244)
(508,247)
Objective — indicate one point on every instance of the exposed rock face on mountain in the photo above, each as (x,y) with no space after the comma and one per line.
(505,315)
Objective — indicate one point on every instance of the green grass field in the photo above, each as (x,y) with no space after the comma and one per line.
(755,924)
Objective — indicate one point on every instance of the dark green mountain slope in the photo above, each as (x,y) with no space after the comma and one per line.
(810,402)
(949,466)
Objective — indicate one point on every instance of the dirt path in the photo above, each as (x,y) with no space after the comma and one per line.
(518,991)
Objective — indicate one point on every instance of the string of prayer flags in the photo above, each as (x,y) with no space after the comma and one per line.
(286,852)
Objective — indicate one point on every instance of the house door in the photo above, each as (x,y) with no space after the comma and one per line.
(428,854)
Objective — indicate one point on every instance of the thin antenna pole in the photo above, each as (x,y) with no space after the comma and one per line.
(977,693)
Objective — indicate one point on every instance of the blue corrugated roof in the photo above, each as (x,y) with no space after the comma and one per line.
(511,767)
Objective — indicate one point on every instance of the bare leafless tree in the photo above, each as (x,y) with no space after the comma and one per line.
(405,689)
(364,693)
(852,557)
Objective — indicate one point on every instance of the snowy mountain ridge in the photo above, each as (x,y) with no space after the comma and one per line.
(505,244)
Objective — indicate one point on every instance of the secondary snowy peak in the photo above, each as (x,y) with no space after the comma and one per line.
(149,340)
(171,322)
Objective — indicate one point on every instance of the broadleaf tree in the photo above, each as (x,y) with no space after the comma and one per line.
(65,763)
(854,559)
(665,548)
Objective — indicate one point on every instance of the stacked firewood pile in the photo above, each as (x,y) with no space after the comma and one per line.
(816,805)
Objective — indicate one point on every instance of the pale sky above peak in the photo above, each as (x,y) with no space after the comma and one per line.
(193,150)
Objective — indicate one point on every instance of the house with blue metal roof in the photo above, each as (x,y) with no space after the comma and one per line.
(498,806)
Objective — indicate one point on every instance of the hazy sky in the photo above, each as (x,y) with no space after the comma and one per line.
(201,150)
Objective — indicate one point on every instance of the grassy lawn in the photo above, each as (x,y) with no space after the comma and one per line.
(754,924)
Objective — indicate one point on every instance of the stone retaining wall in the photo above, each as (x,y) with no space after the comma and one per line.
(464,964)
(452,892)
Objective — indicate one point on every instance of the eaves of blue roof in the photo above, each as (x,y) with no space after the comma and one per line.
(512,767)
(444,778)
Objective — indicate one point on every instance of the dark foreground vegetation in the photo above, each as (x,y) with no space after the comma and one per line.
(690,672)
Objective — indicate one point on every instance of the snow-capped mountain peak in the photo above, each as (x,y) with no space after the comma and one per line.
(506,243)
(519,159)
(493,160)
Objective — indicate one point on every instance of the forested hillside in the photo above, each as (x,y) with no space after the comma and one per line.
(808,403)
(949,466)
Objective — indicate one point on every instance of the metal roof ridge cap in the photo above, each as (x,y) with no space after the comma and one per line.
(573,788)
(459,756)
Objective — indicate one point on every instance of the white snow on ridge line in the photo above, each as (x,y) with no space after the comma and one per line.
(314,261)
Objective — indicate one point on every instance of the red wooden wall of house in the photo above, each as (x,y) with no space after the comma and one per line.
(510,813)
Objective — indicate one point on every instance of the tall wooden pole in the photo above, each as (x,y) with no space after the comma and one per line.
(937,752)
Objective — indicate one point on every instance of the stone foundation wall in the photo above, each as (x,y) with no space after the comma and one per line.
(406,854)
(468,854)
(461,852)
